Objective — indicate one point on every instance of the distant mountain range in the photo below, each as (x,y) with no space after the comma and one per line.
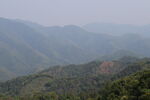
(118,29)
(27,47)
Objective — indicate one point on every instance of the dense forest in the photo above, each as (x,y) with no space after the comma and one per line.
(129,80)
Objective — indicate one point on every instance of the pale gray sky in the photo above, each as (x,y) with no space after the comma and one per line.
(78,12)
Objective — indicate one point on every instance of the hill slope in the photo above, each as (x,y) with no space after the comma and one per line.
(72,78)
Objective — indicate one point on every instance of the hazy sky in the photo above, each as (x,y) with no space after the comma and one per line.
(78,12)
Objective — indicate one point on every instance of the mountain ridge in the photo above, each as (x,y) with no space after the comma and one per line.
(28,48)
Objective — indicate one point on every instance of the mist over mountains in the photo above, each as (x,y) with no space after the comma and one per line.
(26,47)
(118,29)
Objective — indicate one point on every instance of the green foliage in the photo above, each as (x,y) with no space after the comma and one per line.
(13,87)
(72,78)
(83,82)
(134,87)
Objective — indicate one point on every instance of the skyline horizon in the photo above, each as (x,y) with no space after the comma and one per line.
(81,25)
(77,12)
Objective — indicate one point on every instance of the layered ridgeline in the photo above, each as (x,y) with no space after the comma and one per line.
(28,47)
(84,82)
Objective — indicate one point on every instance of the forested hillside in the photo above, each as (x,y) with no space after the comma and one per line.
(84,82)
(133,87)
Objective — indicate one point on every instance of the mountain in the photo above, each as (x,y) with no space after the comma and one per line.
(27,47)
(119,54)
(118,29)
(102,44)
(17,55)
(24,50)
